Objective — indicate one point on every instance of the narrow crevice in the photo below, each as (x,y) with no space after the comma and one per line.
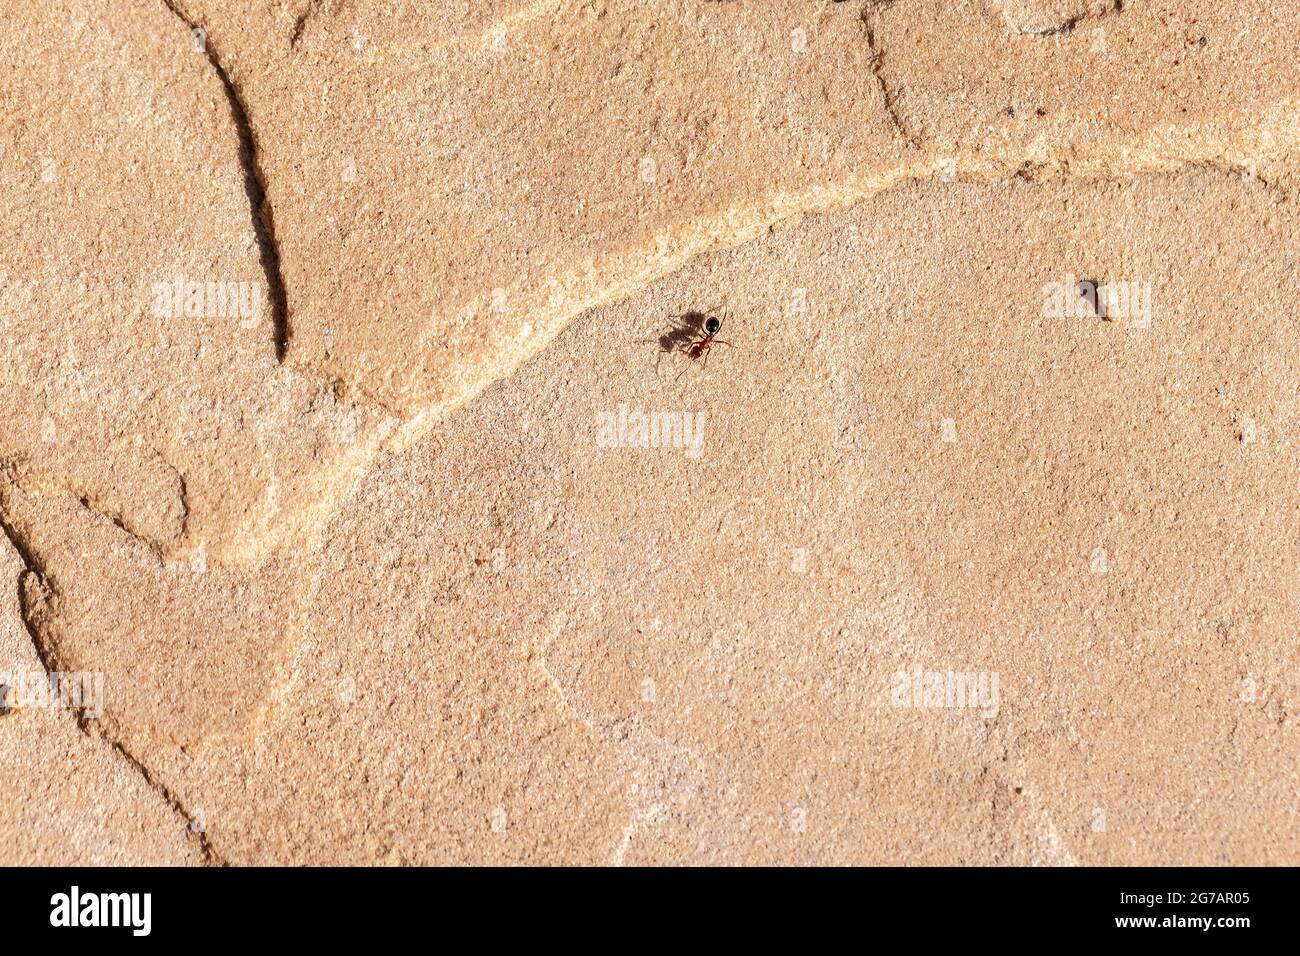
(211,857)
(300,22)
(255,187)
(31,563)
(10,471)
(119,522)
(182,494)
(1065,26)
(298,25)
(51,662)
(877,70)
(1068,25)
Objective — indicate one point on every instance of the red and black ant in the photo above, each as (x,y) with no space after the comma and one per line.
(694,334)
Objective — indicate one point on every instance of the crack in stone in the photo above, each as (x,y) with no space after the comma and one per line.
(300,22)
(255,187)
(182,493)
(35,574)
(10,469)
(1070,23)
(119,522)
(211,857)
(877,70)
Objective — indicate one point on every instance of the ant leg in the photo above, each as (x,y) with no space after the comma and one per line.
(720,342)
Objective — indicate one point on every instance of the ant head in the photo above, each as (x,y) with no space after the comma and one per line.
(712,324)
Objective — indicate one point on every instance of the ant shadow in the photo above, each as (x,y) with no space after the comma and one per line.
(684,330)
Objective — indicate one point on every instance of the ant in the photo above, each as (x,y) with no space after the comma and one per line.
(693,335)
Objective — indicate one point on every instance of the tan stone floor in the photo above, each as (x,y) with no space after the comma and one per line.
(353,505)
